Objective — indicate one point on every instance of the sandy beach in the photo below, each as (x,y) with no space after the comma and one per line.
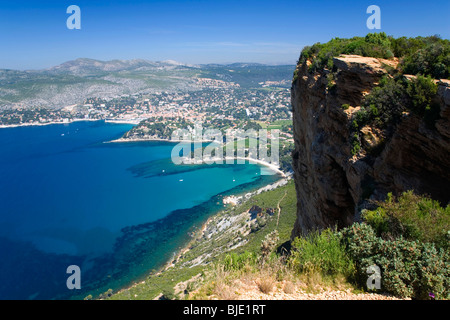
(271,166)
(155,139)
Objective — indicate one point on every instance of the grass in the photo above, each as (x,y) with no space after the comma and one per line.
(277,124)
(411,216)
(216,246)
(226,273)
(266,284)
(321,253)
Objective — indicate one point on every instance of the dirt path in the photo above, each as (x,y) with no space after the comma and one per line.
(250,291)
(278,206)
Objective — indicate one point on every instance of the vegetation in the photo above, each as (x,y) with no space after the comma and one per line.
(356,144)
(222,264)
(408,268)
(413,264)
(412,217)
(386,103)
(407,238)
(421,55)
(321,252)
(426,58)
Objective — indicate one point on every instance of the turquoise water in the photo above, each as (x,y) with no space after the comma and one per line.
(117,210)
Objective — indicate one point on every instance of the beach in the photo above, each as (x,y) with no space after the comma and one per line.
(269,165)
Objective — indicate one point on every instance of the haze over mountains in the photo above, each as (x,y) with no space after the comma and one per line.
(73,81)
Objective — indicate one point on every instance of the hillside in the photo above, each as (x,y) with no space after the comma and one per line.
(224,260)
(72,82)
(370,140)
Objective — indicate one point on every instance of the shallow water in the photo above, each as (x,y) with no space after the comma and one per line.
(117,210)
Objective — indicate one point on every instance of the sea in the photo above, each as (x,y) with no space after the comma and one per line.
(117,211)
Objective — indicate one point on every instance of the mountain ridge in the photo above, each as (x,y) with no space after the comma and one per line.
(76,80)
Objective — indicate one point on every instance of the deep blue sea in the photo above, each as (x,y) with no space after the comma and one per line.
(116,210)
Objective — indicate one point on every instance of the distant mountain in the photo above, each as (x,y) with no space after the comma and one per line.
(84,66)
(73,81)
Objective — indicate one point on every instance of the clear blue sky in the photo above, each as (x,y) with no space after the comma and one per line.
(34,33)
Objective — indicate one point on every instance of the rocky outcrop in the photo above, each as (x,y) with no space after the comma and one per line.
(332,184)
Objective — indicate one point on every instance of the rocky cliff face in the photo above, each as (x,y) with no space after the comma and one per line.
(332,184)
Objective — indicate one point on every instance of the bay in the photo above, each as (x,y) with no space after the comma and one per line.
(117,210)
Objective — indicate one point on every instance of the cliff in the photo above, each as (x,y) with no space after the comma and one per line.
(333,183)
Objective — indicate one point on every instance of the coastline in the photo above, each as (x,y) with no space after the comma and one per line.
(183,246)
(122,140)
(38,124)
(269,165)
(122,121)
(118,121)
(246,196)
(261,162)
(179,253)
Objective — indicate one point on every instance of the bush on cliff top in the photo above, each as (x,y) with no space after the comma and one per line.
(420,55)
(386,103)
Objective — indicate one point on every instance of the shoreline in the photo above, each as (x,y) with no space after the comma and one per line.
(269,165)
(122,140)
(38,124)
(178,253)
(122,121)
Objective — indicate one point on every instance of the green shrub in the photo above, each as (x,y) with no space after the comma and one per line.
(378,219)
(421,91)
(411,216)
(356,145)
(420,55)
(408,268)
(426,56)
(322,253)
(268,244)
(321,55)
(384,105)
(168,294)
(294,78)
(235,262)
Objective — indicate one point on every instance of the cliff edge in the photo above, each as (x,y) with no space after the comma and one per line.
(333,180)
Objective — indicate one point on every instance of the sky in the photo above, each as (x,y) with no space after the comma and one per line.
(34,34)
